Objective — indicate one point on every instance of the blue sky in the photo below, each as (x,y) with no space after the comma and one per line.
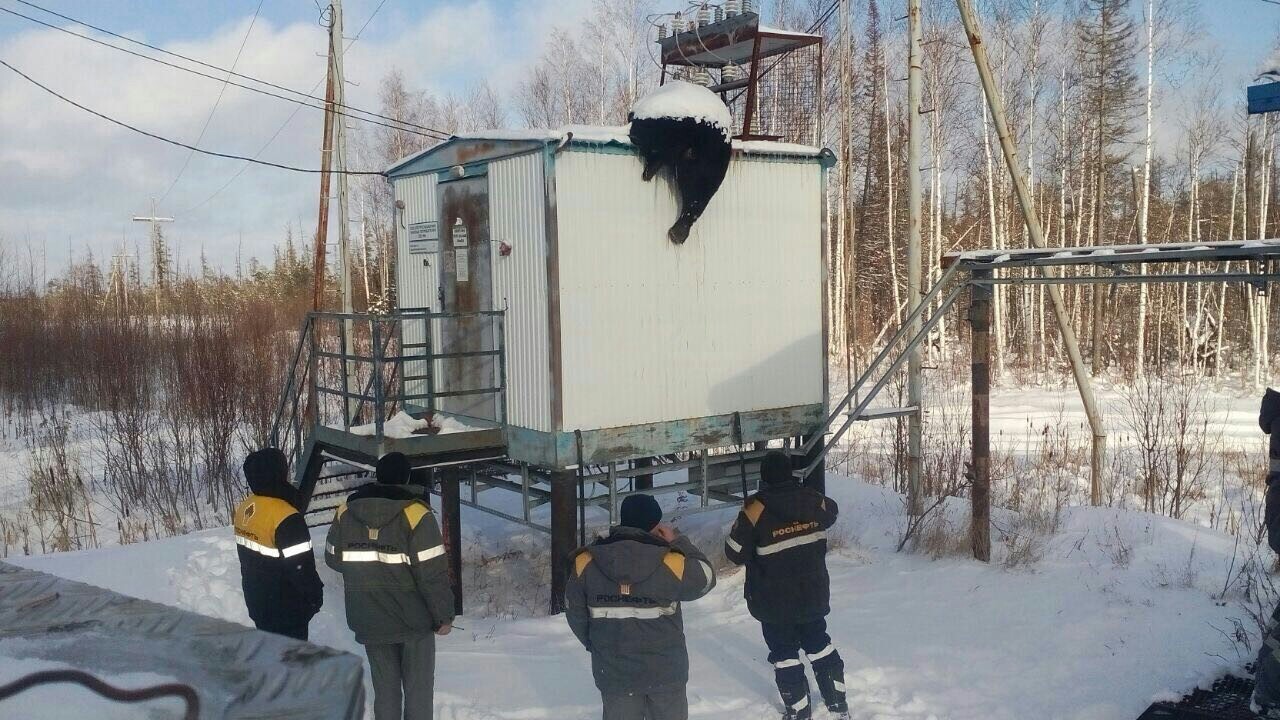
(69,182)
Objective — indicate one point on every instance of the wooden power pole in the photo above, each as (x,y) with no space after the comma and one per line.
(915,381)
(1036,233)
(326,156)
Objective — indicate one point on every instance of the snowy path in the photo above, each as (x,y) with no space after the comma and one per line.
(1078,636)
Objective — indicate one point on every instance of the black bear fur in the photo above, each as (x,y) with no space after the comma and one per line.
(697,156)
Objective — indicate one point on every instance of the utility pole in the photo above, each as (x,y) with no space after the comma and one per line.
(1036,232)
(326,158)
(344,217)
(915,383)
(159,256)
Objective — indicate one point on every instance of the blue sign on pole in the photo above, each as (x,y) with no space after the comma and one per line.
(1264,98)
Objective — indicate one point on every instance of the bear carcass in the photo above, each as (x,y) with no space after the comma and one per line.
(685,128)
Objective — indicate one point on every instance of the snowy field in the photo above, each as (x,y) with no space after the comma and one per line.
(1120,610)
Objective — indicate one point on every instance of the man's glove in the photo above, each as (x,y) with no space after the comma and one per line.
(1270,412)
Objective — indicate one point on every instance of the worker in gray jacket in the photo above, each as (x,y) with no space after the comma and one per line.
(386,544)
(623,600)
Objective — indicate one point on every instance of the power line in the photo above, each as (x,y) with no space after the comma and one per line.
(407,126)
(280,129)
(170,141)
(209,118)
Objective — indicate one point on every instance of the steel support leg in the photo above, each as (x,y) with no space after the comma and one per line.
(644,482)
(451,513)
(564,532)
(980,495)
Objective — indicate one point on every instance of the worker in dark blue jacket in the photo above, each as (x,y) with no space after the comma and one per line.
(1266,693)
(781,538)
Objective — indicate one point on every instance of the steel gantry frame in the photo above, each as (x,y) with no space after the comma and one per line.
(980,271)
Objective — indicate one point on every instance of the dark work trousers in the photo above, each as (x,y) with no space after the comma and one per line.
(666,703)
(296,629)
(785,644)
(403,676)
(1266,692)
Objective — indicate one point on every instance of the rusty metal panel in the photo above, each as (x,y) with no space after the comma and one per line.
(730,321)
(466,282)
(518,221)
(417,274)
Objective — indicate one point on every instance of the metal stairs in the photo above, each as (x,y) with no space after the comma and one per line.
(855,406)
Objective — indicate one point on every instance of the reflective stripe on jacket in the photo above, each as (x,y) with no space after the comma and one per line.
(386,543)
(781,537)
(623,602)
(277,567)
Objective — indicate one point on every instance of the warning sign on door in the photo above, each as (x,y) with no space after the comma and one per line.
(459,234)
(463,263)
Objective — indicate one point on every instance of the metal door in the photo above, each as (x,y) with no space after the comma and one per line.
(466,286)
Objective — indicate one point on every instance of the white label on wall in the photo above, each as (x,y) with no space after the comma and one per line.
(424,237)
(463,265)
(459,234)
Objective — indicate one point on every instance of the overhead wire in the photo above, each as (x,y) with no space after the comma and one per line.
(171,141)
(342,109)
(217,101)
(287,120)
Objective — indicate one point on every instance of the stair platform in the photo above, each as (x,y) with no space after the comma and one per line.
(885,413)
(1227,699)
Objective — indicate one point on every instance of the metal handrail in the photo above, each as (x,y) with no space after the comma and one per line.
(884,353)
(301,405)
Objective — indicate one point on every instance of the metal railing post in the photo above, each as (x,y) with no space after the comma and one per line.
(379,394)
(428,331)
(524,490)
(704,468)
(613,494)
(346,385)
(501,325)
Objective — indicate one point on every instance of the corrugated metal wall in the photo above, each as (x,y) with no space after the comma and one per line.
(417,278)
(517,212)
(729,321)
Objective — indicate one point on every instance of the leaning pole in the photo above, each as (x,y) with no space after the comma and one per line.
(1036,233)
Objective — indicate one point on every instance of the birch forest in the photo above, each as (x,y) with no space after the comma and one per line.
(1129,131)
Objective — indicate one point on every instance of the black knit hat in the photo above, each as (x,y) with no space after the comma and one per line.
(775,468)
(393,469)
(1270,411)
(265,469)
(641,512)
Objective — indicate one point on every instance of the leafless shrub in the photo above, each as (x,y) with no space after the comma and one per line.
(1169,419)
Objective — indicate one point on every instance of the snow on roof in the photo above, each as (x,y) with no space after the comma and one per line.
(679,99)
(787,33)
(605,135)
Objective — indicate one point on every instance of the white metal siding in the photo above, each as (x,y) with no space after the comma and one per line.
(729,321)
(517,216)
(417,278)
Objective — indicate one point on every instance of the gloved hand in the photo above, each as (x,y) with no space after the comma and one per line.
(1270,412)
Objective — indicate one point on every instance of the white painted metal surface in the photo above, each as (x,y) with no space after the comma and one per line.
(417,279)
(517,217)
(649,331)
(729,321)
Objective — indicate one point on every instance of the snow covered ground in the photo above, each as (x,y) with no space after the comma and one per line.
(1119,610)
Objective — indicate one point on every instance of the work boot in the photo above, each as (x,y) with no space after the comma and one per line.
(831,685)
(1271,712)
(795,701)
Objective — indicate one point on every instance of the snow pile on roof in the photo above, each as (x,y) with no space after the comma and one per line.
(678,100)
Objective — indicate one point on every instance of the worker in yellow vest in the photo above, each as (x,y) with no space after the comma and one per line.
(277,568)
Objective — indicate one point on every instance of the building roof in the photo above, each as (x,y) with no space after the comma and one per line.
(520,140)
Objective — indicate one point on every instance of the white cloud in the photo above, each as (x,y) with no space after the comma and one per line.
(70,180)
